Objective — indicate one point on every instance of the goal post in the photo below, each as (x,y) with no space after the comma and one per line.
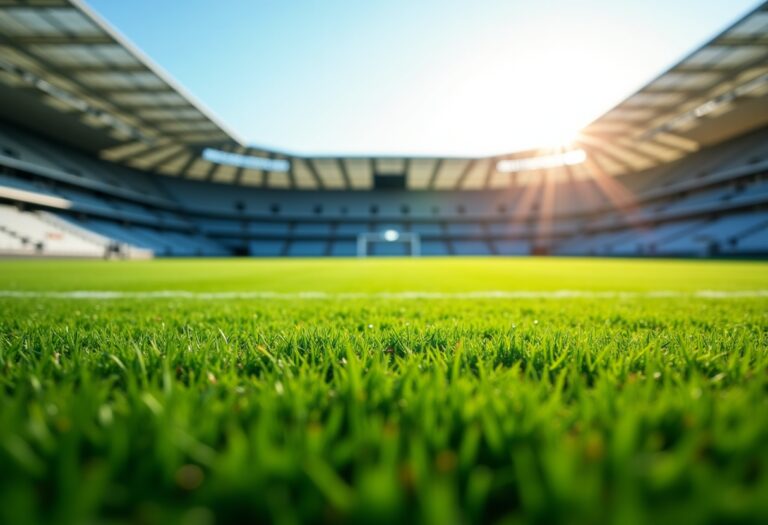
(412,240)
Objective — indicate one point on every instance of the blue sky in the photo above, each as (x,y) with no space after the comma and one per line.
(415,77)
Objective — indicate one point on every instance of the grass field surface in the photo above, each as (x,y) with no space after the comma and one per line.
(435,391)
(385,275)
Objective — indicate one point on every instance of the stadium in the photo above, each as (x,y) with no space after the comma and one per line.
(566,334)
(102,152)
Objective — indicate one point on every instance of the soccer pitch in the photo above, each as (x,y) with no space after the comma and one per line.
(386,390)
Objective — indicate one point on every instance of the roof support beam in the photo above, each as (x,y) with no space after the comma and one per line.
(240,169)
(406,168)
(183,171)
(214,166)
(608,136)
(433,175)
(209,174)
(344,174)
(105,68)
(737,41)
(591,150)
(291,175)
(630,148)
(489,172)
(265,173)
(703,92)
(148,151)
(464,173)
(169,156)
(63,40)
(168,120)
(708,69)
(132,90)
(313,171)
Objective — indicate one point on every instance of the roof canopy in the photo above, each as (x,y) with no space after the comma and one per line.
(67,73)
(716,93)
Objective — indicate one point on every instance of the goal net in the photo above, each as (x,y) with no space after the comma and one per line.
(366,240)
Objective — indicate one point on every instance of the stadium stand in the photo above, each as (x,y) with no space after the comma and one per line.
(93,175)
(25,233)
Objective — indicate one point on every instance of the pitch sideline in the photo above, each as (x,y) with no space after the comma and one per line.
(421,295)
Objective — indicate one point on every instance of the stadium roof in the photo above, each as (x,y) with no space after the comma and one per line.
(65,72)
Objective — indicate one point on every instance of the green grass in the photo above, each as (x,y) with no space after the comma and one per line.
(375,275)
(199,410)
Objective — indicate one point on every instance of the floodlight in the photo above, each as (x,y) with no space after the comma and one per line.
(391,235)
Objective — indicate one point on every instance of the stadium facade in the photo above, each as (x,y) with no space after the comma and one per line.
(103,154)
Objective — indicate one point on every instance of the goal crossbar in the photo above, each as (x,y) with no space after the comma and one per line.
(364,240)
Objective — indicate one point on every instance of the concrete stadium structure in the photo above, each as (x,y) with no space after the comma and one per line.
(102,154)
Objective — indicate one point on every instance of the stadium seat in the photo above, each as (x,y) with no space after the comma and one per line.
(266,248)
(306,248)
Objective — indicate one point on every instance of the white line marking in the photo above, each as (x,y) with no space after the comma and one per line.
(487,294)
